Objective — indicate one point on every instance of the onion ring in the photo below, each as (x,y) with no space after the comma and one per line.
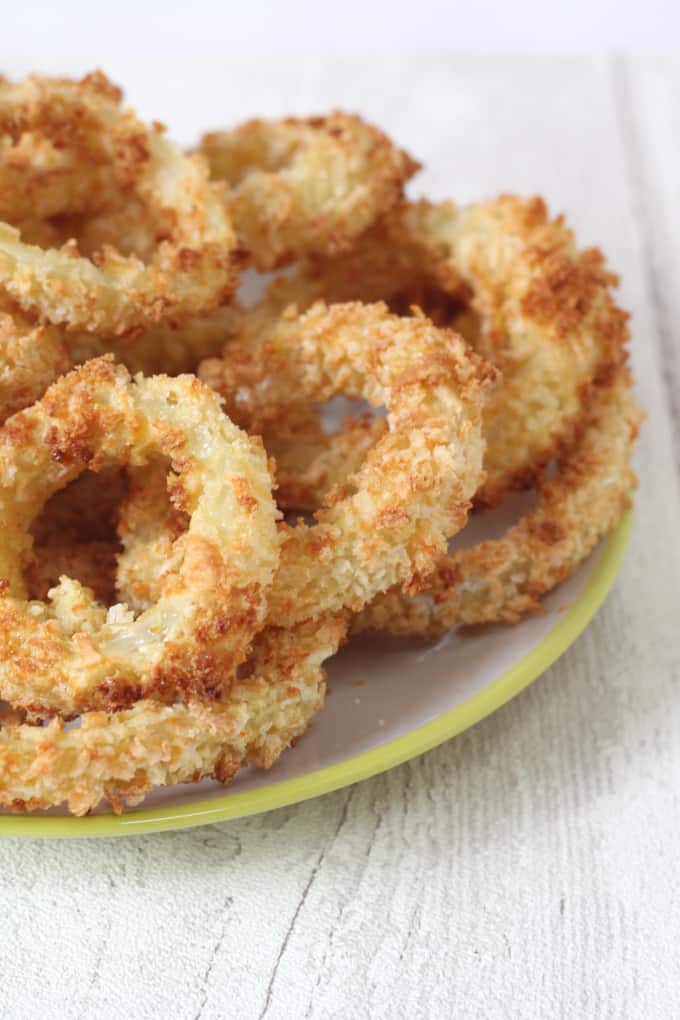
(53,147)
(119,757)
(539,310)
(398,259)
(414,489)
(190,272)
(31,358)
(547,321)
(71,655)
(171,348)
(305,185)
(504,579)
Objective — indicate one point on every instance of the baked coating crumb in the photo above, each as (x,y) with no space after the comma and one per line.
(415,486)
(504,579)
(119,757)
(71,654)
(507,277)
(191,269)
(32,356)
(305,185)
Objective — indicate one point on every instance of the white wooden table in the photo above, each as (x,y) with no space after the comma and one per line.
(528,868)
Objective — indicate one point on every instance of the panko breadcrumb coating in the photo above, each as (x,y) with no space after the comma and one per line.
(191,270)
(32,356)
(172,348)
(547,321)
(119,757)
(504,579)
(413,491)
(56,154)
(159,623)
(304,185)
(71,654)
(514,283)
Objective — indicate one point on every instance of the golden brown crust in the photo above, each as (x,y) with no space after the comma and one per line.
(71,654)
(305,185)
(514,283)
(548,321)
(190,271)
(414,488)
(502,580)
(55,154)
(32,356)
(119,757)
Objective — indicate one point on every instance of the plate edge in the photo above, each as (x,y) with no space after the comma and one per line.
(370,763)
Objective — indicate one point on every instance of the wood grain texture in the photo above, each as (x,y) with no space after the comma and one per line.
(527,869)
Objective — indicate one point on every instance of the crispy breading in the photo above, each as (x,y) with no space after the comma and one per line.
(504,579)
(32,355)
(547,320)
(305,185)
(514,283)
(414,488)
(119,757)
(56,154)
(190,270)
(70,654)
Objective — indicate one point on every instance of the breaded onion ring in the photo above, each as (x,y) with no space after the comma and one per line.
(514,283)
(190,271)
(119,757)
(70,654)
(393,516)
(31,358)
(504,579)
(547,320)
(398,259)
(55,152)
(305,185)
(171,349)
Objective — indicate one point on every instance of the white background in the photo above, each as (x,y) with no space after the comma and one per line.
(164,29)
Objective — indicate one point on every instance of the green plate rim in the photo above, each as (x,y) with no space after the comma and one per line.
(362,766)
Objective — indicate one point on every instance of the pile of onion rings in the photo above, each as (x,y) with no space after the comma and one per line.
(357,174)
(165,616)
